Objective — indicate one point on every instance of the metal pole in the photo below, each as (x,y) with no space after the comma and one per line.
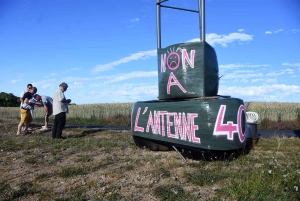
(158,26)
(201,4)
(182,157)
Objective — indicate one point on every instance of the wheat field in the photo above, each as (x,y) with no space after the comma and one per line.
(276,111)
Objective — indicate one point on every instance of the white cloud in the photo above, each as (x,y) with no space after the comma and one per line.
(241,76)
(240,30)
(14,81)
(281,72)
(278,30)
(52,74)
(132,75)
(214,39)
(288,64)
(76,79)
(271,32)
(122,93)
(274,92)
(132,57)
(72,69)
(135,19)
(257,80)
(270,80)
(273,74)
(233,66)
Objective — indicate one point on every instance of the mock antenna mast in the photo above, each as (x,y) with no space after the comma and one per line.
(200,11)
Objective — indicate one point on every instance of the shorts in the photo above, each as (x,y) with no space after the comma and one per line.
(50,110)
(25,116)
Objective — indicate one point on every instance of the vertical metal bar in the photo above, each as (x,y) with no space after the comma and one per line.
(203,20)
(158,25)
(201,5)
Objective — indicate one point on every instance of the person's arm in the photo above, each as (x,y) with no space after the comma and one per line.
(27,101)
(21,97)
(66,100)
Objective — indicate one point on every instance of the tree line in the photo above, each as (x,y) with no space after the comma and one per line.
(9,100)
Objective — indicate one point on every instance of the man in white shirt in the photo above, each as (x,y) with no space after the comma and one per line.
(60,109)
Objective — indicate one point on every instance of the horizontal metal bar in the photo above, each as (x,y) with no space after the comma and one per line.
(195,11)
(162,1)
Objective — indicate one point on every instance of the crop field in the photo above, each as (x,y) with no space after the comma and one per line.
(272,115)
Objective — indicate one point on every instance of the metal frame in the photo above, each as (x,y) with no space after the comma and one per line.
(201,11)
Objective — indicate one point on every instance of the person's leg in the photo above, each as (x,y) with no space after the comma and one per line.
(26,117)
(61,124)
(46,120)
(54,129)
(28,120)
(20,127)
(49,113)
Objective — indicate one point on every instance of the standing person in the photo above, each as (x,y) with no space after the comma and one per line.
(26,106)
(29,86)
(48,106)
(60,109)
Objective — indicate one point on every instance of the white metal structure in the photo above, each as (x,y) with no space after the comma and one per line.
(251,117)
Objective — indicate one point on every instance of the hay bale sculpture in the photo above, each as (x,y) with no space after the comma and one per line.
(188,113)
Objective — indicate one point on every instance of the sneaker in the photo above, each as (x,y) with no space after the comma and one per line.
(44,128)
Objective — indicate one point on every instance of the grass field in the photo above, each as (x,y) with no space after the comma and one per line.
(93,164)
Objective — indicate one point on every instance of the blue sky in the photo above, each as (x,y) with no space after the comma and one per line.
(106,50)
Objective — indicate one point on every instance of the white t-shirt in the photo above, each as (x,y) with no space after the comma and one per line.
(21,96)
(58,106)
(29,107)
(46,100)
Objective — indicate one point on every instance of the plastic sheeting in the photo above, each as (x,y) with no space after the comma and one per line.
(211,124)
(187,70)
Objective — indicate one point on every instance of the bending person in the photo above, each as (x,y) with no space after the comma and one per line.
(48,106)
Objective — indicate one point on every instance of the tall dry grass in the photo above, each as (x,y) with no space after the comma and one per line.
(102,111)
(274,111)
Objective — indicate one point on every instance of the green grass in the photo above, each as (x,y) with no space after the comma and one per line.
(106,165)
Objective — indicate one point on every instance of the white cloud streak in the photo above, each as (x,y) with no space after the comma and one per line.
(274,32)
(274,92)
(215,39)
(132,57)
(233,66)
(212,39)
(292,65)
(132,75)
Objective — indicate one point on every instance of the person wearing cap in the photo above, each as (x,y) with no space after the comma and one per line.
(60,109)
(26,106)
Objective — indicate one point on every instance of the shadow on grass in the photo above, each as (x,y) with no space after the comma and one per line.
(85,133)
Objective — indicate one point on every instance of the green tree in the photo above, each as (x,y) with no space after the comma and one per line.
(9,100)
